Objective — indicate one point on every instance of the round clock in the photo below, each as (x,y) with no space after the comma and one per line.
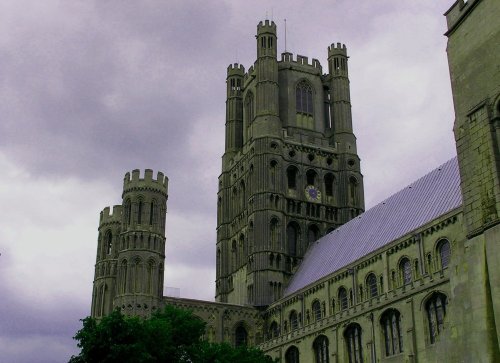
(312,193)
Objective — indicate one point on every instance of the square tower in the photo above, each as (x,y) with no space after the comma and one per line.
(290,171)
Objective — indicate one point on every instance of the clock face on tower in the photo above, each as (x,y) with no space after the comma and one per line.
(312,194)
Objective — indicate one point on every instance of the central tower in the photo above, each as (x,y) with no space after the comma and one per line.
(290,170)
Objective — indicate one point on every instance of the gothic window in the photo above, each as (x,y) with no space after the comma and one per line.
(353,190)
(352,336)
(218,262)
(312,234)
(291,174)
(436,311)
(371,284)
(320,347)
(234,255)
(152,212)
(405,271)
(240,336)
(109,242)
(273,238)
(393,334)
(139,212)
(128,212)
(316,310)
(311,177)
(150,277)
(137,275)
(343,303)
(329,184)
(241,249)
(292,235)
(304,98)
(249,108)
(444,252)
(292,355)
(124,277)
(294,321)
(273,330)
(242,195)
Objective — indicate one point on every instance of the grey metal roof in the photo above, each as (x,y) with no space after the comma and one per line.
(431,196)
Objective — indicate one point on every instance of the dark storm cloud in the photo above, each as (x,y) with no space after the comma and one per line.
(101,86)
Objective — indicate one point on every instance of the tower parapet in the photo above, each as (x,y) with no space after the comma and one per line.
(133,181)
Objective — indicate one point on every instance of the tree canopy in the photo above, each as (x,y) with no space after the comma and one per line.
(171,335)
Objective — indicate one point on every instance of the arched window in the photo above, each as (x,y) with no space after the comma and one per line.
(353,190)
(249,113)
(371,284)
(150,277)
(352,336)
(291,174)
(316,310)
(329,184)
(320,346)
(242,195)
(304,98)
(405,271)
(292,355)
(240,336)
(436,311)
(273,330)
(139,212)
(292,235)
(294,321)
(343,303)
(124,277)
(128,212)
(311,177)
(152,212)
(312,234)
(136,268)
(393,334)
(444,252)
(273,236)
(218,263)
(109,242)
(234,255)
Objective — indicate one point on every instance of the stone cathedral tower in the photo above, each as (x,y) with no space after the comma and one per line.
(131,248)
(290,171)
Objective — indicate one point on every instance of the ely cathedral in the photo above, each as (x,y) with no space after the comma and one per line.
(303,271)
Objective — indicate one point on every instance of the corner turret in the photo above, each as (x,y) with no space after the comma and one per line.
(234,108)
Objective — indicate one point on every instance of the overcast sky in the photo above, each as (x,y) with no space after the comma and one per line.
(92,89)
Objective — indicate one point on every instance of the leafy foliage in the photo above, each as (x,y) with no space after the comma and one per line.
(170,336)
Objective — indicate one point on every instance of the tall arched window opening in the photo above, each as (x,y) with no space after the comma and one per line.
(343,303)
(291,174)
(371,284)
(294,321)
(352,336)
(273,230)
(139,212)
(320,346)
(292,235)
(353,191)
(444,252)
(436,311)
(249,107)
(304,98)
(405,271)
(109,242)
(240,336)
(311,177)
(312,234)
(273,330)
(292,355)
(393,334)
(329,185)
(316,310)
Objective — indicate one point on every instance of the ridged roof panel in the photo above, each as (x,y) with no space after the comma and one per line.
(431,196)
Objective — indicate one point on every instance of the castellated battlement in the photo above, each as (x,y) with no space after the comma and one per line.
(134,181)
(108,216)
(235,70)
(266,27)
(287,57)
(339,49)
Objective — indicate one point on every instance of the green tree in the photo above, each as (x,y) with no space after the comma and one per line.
(171,335)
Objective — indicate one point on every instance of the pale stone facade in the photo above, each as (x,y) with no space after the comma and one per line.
(291,174)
